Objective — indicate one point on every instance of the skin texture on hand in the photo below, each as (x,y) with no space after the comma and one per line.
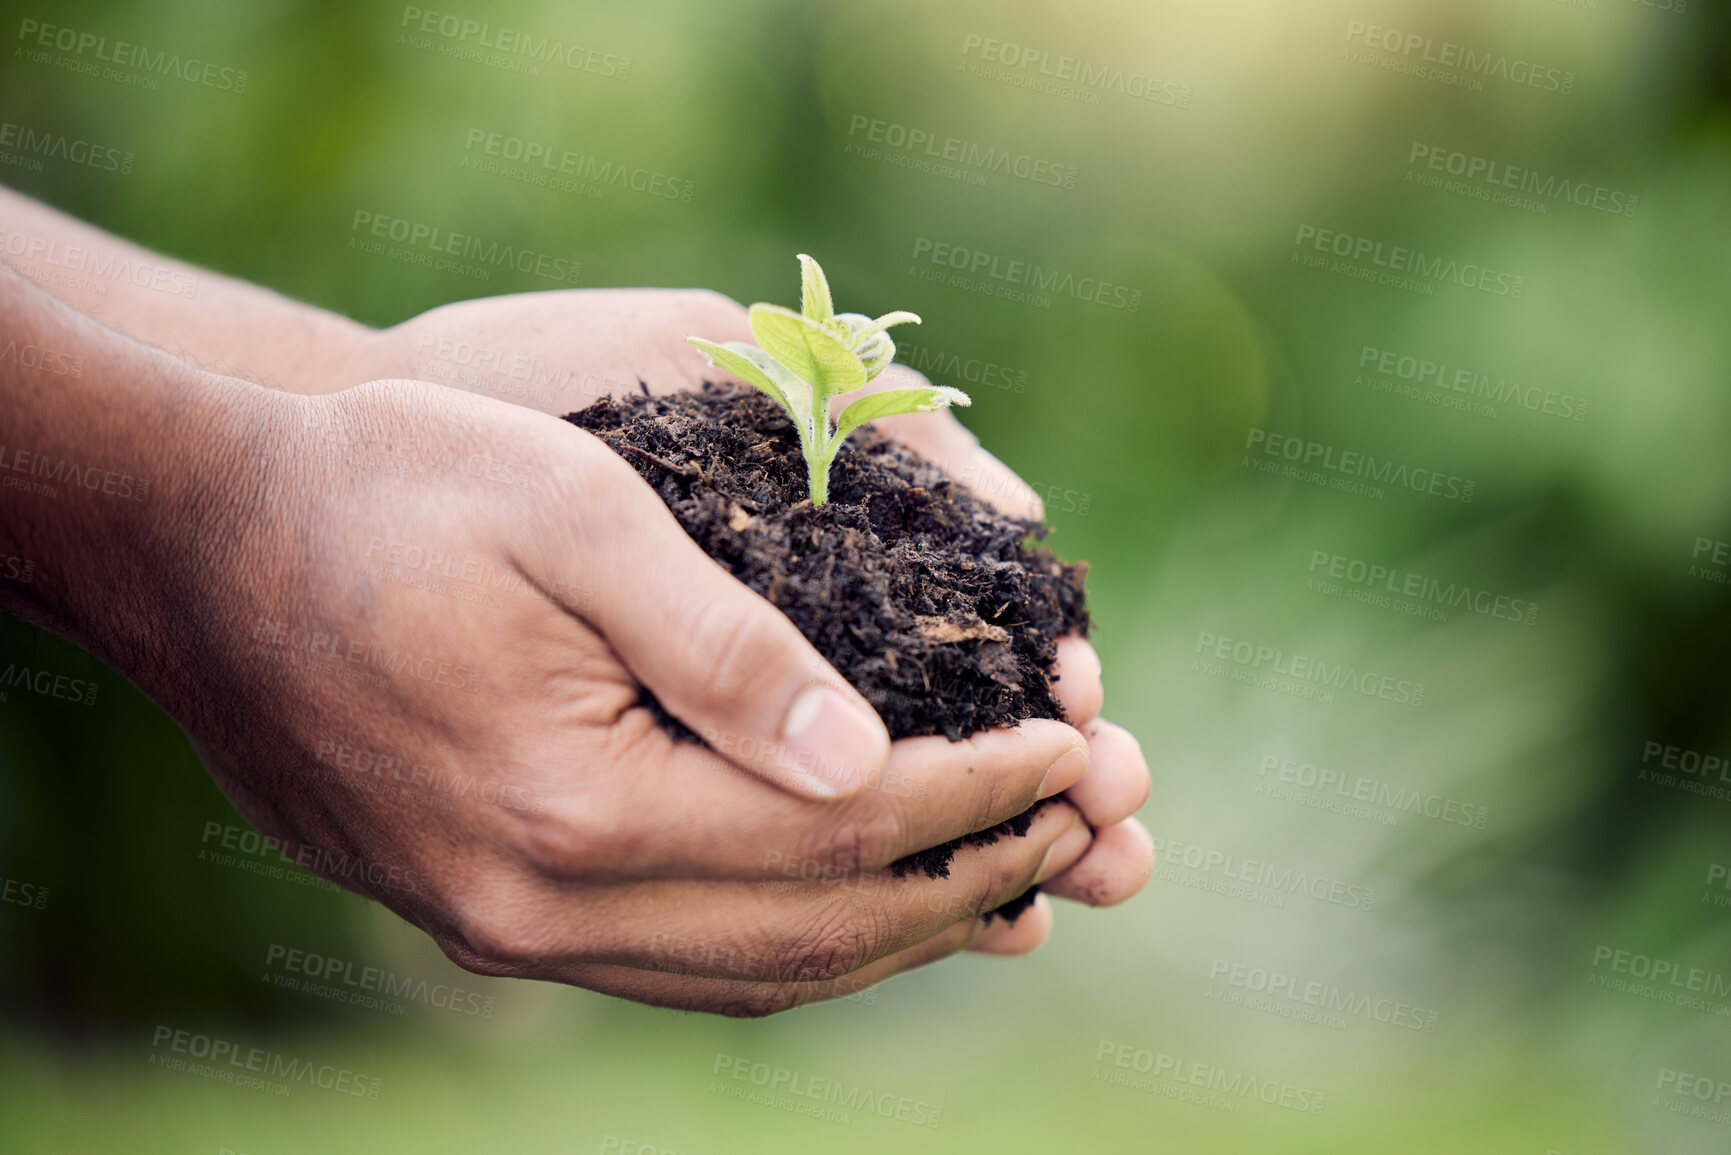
(510,347)
(361,583)
(556,831)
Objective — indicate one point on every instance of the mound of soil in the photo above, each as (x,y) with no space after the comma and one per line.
(942,612)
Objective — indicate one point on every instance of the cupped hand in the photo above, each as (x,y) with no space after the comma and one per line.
(558,351)
(415,659)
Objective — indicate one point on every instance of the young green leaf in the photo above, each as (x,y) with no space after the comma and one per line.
(876,353)
(802,359)
(752,365)
(921,399)
(814,299)
(818,356)
(899,317)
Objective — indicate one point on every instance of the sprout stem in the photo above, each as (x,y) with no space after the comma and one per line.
(817,473)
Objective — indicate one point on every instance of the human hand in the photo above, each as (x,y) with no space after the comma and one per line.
(416,663)
(558,351)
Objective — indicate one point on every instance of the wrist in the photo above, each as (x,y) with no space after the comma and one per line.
(124,483)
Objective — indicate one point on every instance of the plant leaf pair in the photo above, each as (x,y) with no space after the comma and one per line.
(804,359)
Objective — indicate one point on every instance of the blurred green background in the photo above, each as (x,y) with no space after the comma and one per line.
(1499,939)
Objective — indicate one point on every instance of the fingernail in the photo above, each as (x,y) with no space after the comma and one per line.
(834,744)
(1068,770)
(1065,853)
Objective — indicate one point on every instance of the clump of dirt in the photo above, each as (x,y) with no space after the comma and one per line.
(942,612)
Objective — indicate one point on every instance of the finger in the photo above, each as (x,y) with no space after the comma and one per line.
(1117,782)
(1116,866)
(787,931)
(943,440)
(715,823)
(1076,680)
(557,350)
(815,931)
(749,999)
(1031,928)
(718,656)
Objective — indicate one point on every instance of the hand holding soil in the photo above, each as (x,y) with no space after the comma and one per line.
(633,340)
(410,631)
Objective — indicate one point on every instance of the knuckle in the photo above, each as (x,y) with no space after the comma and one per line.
(1008,877)
(760,1000)
(465,956)
(863,842)
(1001,796)
(728,639)
(496,935)
(503,941)
(836,940)
(570,841)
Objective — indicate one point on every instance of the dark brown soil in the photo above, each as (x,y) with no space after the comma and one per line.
(941,611)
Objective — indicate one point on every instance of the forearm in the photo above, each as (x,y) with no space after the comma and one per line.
(119,466)
(206,319)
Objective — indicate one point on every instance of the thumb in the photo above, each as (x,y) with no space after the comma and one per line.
(718,656)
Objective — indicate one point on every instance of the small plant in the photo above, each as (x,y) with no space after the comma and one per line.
(806,358)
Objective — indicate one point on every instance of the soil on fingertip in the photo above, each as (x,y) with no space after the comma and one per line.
(942,612)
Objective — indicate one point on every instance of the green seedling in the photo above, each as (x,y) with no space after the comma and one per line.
(806,358)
